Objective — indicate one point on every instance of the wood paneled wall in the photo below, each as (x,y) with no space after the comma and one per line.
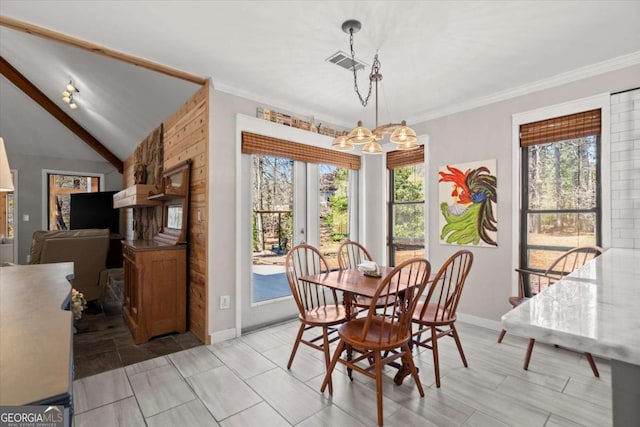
(186,136)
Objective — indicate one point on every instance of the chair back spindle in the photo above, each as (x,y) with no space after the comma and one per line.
(446,289)
(351,254)
(306,260)
(398,303)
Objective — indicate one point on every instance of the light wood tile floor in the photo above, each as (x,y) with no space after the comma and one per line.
(244,382)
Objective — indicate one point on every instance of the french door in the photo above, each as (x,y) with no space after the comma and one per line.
(291,202)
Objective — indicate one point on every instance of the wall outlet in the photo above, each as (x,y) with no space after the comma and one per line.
(225,302)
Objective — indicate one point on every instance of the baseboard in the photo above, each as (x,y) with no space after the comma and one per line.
(480,321)
(220,336)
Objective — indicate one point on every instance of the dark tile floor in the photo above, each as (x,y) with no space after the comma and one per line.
(103,341)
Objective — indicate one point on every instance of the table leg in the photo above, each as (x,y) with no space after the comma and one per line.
(347,300)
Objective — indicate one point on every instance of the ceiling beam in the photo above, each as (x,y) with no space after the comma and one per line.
(15,77)
(14,24)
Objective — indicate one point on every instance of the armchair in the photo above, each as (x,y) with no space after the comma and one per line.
(87,249)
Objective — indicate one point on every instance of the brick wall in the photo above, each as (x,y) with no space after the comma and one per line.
(625,170)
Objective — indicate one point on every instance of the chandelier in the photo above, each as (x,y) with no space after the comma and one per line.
(401,134)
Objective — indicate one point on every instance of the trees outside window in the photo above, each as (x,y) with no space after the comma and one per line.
(406,213)
(561,199)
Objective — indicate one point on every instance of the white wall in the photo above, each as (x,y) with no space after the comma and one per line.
(477,134)
(625,169)
(30,190)
(484,133)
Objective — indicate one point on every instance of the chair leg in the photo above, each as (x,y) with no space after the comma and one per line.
(334,361)
(434,349)
(454,332)
(327,357)
(408,360)
(378,363)
(295,345)
(502,334)
(592,363)
(527,358)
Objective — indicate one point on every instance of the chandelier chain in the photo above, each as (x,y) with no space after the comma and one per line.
(373,75)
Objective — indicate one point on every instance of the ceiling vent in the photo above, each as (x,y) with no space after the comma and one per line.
(344,60)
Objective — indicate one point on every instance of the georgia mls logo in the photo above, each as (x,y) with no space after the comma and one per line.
(31,416)
(55,409)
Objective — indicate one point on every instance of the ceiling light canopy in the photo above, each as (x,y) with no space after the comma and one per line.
(68,93)
(401,134)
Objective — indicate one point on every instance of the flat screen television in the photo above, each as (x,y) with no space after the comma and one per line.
(94,210)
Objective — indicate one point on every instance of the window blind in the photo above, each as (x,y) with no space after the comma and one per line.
(399,158)
(560,128)
(265,145)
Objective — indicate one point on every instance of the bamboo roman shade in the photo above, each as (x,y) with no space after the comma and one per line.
(259,144)
(560,128)
(399,158)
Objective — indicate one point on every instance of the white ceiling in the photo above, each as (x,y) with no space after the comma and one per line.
(436,56)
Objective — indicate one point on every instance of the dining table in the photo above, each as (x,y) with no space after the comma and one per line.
(353,283)
(595,310)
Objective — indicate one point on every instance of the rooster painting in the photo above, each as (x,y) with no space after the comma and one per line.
(469,210)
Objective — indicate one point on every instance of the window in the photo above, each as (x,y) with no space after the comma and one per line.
(561,200)
(406,205)
(60,187)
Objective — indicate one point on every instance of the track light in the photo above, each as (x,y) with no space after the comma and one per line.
(68,93)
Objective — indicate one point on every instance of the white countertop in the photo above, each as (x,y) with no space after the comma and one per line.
(35,333)
(594,309)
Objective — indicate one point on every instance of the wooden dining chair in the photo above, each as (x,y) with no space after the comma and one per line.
(383,336)
(318,306)
(531,283)
(350,255)
(435,317)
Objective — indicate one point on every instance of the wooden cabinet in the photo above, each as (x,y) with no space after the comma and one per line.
(155,291)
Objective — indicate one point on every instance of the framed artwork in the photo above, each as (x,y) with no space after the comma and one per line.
(468,204)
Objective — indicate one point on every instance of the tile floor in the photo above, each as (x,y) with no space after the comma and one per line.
(103,340)
(244,382)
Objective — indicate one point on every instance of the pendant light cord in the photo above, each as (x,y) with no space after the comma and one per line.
(373,75)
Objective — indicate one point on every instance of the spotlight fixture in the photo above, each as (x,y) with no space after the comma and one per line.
(68,93)
(401,134)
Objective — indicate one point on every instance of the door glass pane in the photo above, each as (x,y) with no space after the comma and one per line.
(272,225)
(334,211)
(407,213)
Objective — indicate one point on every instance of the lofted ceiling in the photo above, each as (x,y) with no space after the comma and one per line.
(437,57)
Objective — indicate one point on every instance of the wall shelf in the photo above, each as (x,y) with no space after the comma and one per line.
(136,196)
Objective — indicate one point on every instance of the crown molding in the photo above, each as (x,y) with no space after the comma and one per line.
(557,80)
(338,122)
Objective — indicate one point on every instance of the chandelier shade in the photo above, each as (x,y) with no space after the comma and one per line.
(372,147)
(401,134)
(360,135)
(342,143)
